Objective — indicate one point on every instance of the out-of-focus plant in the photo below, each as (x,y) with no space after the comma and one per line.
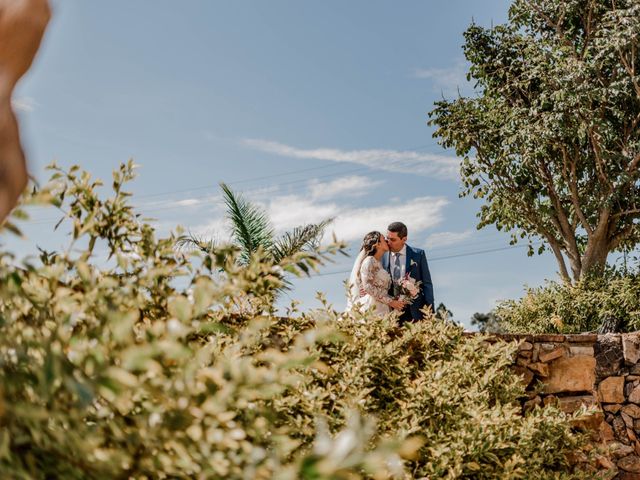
(443,313)
(112,370)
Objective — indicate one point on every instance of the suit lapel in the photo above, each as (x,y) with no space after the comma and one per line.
(407,265)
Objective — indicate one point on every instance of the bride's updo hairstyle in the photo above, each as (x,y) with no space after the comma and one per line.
(369,243)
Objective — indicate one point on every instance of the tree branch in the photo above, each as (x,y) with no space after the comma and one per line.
(630,69)
(599,163)
(563,268)
(619,237)
(572,181)
(632,168)
(587,30)
(568,231)
(628,212)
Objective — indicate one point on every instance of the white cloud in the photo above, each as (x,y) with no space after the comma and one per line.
(24,104)
(418,214)
(207,201)
(417,163)
(164,227)
(318,203)
(353,223)
(442,239)
(188,202)
(351,186)
(350,223)
(191,203)
(257,194)
(215,227)
(448,80)
(289,211)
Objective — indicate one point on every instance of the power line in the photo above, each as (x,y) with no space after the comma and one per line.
(484,238)
(235,182)
(302,180)
(292,182)
(283,174)
(265,177)
(244,192)
(448,257)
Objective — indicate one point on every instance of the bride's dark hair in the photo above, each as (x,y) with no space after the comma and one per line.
(369,243)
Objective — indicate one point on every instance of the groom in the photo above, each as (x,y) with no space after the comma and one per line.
(403,258)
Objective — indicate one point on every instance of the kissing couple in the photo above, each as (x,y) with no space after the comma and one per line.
(391,275)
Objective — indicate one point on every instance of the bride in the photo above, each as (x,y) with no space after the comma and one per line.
(369,283)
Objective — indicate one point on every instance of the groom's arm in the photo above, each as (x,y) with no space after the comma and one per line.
(427,286)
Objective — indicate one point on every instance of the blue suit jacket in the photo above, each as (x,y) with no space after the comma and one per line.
(418,268)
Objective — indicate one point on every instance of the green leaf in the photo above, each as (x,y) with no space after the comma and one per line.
(251,228)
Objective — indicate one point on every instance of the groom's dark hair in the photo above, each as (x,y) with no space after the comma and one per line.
(399,228)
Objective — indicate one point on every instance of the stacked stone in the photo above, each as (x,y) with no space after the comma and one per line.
(619,396)
(601,372)
(564,365)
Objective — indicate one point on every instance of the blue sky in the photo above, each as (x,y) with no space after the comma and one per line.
(312,109)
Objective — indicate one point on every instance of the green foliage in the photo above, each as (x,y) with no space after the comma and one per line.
(486,322)
(428,381)
(608,303)
(551,142)
(111,370)
(304,237)
(250,225)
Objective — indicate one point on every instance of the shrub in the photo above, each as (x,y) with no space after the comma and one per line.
(112,370)
(611,302)
(429,381)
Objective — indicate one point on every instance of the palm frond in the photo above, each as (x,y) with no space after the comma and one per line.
(251,228)
(305,237)
(193,242)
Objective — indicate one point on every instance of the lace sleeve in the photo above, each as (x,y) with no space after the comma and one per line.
(371,281)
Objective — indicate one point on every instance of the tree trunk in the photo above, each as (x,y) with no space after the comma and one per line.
(594,259)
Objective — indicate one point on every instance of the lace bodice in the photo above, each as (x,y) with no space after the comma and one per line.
(375,280)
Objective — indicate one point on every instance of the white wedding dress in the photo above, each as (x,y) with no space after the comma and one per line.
(368,275)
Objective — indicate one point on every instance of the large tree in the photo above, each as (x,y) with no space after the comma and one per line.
(550,141)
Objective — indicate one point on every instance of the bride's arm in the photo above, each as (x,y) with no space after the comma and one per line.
(370,284)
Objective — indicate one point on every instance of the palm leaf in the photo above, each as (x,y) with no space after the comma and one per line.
(305,237)
(191,241)
(251,228)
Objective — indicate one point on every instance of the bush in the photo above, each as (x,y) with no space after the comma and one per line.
(456,393)
(608,303)
(111,370)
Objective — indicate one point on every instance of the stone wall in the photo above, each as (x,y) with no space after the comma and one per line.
(598,371)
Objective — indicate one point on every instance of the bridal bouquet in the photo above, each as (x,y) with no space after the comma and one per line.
(407,288)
